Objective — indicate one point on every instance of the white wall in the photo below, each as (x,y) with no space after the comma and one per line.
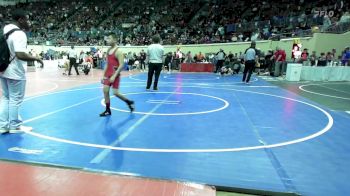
(320,42)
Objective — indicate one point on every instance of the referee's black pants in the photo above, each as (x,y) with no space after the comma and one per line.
(73,62)
(153,68)
(248,69)
(219,65)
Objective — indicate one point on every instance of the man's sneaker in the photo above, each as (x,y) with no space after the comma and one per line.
(21,129)
(107,112)
(155,88)
(131,106)
(2,131)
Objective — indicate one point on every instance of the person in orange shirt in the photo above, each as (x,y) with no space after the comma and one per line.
(200,57)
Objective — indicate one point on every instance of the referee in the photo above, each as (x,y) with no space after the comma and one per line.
(249,59)
(155,54)
(72,61)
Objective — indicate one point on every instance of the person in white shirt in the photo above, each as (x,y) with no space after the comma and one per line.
(13,79)
(155,54)
(220,56)
(73,60)
(250,61)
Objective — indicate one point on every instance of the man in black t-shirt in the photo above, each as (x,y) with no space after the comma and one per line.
(142,60)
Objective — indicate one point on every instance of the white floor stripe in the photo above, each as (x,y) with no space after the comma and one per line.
(312,92)
(295,141)
(163,102)
(31,96)
(104,153)
(56,111)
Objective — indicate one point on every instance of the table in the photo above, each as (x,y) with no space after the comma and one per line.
(196,67)
(293,71)
(328,73)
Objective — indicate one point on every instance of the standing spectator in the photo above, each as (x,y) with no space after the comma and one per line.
(220,56)
(142,60)
(280,59)
(155,54)
(268,61)
(178,58)
(250,60)
(326,23)
(13,79)
(99,55)
(131,60)
(72,54)
(188,58)
(168,61)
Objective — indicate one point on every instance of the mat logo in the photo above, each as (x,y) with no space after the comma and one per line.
(163,102)
(25,151)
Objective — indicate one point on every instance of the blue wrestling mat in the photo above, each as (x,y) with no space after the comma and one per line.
(199,128)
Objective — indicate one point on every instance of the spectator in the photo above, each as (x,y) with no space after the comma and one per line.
(13,79)
(280,59)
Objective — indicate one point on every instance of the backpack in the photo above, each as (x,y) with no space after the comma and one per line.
(5,51)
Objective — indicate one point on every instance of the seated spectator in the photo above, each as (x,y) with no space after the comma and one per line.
(226,70)
(199,57)
(313,58)
(346,57)
(234,38)
(304,55)
(329,58)
(188,57)
(345,18)
(322,61)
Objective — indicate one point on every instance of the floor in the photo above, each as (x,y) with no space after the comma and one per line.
(20,179)
(268,137)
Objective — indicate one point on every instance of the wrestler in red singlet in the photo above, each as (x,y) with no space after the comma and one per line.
(111,75)
(112,66)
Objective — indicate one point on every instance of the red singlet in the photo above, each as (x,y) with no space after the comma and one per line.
(112,65)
